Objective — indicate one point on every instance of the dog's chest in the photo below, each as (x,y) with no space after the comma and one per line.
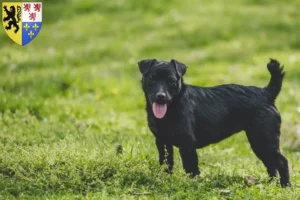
(168,131)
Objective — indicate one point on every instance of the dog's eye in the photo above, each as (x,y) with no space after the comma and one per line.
(172,82)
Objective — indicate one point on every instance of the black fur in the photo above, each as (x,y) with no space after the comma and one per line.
(199,116)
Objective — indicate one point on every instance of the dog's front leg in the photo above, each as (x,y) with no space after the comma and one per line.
(189,160)
(165,152)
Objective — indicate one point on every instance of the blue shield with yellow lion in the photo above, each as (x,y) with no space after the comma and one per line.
(22,21)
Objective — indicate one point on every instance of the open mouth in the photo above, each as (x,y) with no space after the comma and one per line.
(159,109)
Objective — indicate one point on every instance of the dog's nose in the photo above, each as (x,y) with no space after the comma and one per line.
(160,95)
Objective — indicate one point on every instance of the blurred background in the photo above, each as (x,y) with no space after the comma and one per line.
(83,63)
(82,67)
(79,76)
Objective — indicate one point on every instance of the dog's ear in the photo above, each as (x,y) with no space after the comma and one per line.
(145,65)
(179,67)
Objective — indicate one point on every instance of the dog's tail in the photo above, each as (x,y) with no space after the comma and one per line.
(277,75)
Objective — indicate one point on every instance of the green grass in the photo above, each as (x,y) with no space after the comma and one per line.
(72,95)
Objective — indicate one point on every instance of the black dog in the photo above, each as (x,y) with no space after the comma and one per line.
(191,117)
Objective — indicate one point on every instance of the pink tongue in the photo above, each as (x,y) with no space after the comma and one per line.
(159,110)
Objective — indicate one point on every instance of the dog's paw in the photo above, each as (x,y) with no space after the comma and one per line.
(286,185)
(168,171)
(193,174)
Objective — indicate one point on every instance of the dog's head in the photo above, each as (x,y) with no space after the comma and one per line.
(161,82)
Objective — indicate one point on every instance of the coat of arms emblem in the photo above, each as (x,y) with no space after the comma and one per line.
(22,21)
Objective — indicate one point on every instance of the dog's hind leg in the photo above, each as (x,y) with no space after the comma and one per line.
(189,160)
(266,156)
(283,168)
(273,160)
(263,135)
(165,152)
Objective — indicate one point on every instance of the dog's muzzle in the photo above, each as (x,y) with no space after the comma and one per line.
(159,105)
(161,97)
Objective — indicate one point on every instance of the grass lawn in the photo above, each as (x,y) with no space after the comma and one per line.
(69,97)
